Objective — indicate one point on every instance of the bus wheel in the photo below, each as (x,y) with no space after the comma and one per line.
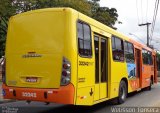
(122,92)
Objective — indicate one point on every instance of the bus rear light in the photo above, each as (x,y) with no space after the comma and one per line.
(66,66)
(66,72)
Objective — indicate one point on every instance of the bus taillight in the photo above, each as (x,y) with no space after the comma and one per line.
(66,72)
(66,66)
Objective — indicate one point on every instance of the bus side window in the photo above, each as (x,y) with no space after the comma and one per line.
(144,55)
(147,57)
(84,39)
(129,52)
(117,49)
(150,60)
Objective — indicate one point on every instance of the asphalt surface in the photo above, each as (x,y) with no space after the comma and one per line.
(140,99)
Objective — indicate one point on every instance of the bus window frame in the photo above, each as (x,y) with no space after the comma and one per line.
(122,48)
(128,51)
(143,49)
(83,56)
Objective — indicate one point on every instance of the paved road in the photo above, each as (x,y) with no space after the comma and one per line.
(140,99)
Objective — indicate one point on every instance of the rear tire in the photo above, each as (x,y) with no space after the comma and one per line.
(122,95)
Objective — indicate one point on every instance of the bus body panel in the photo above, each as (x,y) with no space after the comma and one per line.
(63,95)
(118,71)
(84,97)
(70,50)
(35,48)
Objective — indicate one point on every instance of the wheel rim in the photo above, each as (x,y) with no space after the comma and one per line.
(122,93)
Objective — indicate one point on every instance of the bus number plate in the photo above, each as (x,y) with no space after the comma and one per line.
(28,94)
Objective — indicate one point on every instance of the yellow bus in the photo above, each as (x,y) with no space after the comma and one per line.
(63,56)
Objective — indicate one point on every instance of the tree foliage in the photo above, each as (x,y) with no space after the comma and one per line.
(27,5)
(106,16)
(88,7)
(103,14)
(6,10)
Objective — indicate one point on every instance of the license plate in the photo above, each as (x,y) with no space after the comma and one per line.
(28,94)
(31,79)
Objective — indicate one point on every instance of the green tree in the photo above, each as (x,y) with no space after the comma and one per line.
(6,10)
(104,15)
(27,5)
(89,7)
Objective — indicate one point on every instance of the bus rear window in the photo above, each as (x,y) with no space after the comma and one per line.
(84,39)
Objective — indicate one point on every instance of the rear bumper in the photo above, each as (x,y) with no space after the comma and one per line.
(64,95)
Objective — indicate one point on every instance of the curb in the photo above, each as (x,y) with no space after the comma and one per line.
(6,101)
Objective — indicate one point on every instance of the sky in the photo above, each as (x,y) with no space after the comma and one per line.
(134,12)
